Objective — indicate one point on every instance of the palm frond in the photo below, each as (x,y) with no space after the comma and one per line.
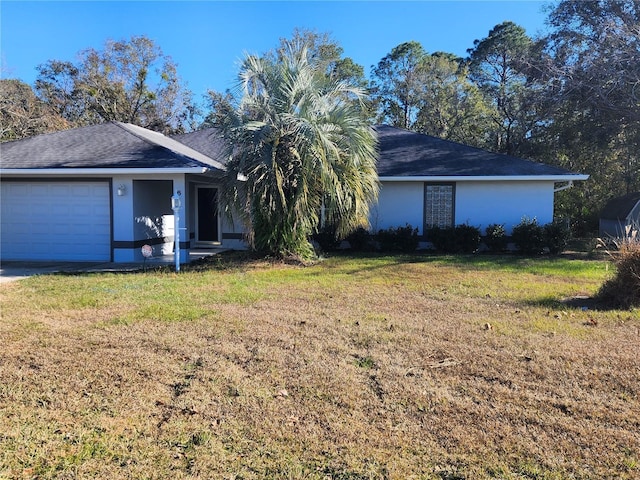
(300,142)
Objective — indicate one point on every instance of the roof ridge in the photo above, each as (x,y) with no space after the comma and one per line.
(190,152)
(125,126)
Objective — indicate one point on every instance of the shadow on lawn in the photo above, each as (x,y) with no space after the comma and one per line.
(370,262)
(509,262)
(577,302)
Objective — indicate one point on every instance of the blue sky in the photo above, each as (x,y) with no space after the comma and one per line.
(207,38)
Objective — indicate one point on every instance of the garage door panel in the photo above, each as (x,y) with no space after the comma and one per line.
(41,212)
(55,221)
(58,209)
(82,191)
(84,210)
(21,228)
(57,191)
(16,189)
(41,231)
(40,189)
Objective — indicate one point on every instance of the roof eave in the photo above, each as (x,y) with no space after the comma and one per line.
(100,171)
(484,178)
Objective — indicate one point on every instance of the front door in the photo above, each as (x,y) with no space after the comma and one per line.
(208,229)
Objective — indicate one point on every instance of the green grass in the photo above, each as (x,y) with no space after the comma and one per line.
(420,366)
(144,293)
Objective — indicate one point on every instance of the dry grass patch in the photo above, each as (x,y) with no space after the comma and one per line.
(379,367)
(622,290)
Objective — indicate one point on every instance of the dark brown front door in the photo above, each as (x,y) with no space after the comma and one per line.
(208,229)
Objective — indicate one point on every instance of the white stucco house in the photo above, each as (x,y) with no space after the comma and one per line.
(100,193)
(428,181)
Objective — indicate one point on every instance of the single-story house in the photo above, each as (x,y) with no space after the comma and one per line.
(102,192)
(427,181)
(620,216)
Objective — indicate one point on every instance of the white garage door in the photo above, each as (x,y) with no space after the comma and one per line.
(55,221)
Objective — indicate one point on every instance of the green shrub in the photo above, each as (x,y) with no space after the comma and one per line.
(443,239)
(462,238)
(360,240)
(556,237)
(467,238)
(327,239)
(400,239)
(528,237)
(496,238)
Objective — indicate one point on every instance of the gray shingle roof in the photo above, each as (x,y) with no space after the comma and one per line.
(108,145)
(409,154)
(206,141)
(119,145)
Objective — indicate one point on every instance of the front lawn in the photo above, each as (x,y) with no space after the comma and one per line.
(396,367)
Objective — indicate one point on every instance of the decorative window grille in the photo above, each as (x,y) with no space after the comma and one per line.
(438,205)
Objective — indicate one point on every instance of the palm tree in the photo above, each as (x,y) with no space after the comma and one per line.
(300,152)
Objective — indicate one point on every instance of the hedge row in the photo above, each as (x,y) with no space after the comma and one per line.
(528,237)
(400,239)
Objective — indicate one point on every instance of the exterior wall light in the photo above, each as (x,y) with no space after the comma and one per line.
(122,189)
(176,201)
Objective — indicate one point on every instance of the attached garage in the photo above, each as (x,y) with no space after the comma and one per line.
(98,193)
(55,220)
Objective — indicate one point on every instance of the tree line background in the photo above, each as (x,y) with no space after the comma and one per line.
(570,98)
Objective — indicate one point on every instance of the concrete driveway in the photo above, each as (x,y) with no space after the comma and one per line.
(13,270)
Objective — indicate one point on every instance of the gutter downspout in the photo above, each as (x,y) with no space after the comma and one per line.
(566,186)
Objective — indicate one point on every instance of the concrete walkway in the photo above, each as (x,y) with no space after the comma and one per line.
(16,270)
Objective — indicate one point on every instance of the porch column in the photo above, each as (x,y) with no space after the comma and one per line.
(180,190)
(123,235)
